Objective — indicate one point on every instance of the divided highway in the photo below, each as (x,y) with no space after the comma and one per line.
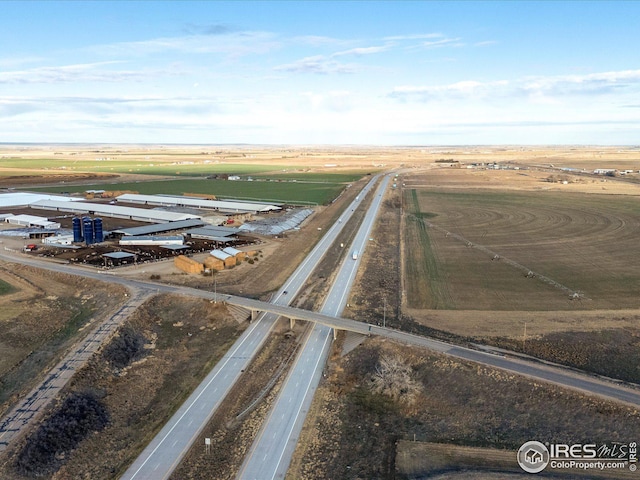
(271,452)
(166,450)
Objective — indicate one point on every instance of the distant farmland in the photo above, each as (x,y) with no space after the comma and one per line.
(284,191)
(162,167)
(58,165)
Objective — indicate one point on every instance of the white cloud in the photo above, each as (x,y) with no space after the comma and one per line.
(535,88)
(318,64)
(360,51)
(443,42)
(231,43)
(590,84)
(87,72)
(458,90)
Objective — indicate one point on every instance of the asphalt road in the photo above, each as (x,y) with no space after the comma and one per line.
(555,374)
(271,452)
(259,329)
(163,454)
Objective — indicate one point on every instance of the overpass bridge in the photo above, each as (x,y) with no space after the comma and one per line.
(528,367)
(255,307)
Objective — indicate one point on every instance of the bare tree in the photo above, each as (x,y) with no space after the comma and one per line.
(394,379)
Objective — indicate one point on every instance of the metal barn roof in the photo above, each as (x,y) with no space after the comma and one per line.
(32,220)
(275,226)
(211,231)
(161,227)
(21,199)
(225,205)
(115,211)
(220,255)
(118,255)
(175,247)
(152,240)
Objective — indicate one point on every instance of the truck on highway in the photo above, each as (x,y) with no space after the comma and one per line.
(354,255)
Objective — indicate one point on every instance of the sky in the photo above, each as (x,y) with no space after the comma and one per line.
(321,73)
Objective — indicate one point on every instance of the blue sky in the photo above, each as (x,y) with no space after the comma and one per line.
(294,72)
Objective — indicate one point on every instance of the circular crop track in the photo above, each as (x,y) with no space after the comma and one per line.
(583,242)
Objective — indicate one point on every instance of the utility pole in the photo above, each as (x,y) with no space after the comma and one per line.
(524,337)
(215,287)
(384,315)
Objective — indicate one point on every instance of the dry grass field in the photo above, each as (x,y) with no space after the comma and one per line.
(583,242)
(136,160)
(355,430)
(495,256)
(580,234)
(40,319)
(139,384)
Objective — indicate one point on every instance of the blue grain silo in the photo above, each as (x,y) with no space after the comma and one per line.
(77,229)
(87,227)
(98,236)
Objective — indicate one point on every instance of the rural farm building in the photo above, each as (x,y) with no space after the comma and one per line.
(220,205)
(275,226)
(32,221)
(159,228)
(229,260)
(239,254)
(23,199)
(58,240)
(119,258)
(114,211)
(152,240)
(216,234)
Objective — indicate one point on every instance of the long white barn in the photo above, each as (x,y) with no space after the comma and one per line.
(114,211)
(176,201)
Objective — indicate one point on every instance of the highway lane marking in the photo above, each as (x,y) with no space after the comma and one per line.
(327,337)
(250,331)
(329,240)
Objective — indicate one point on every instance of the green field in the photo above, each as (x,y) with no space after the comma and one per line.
(293,192)
(5,287)
(428,285)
